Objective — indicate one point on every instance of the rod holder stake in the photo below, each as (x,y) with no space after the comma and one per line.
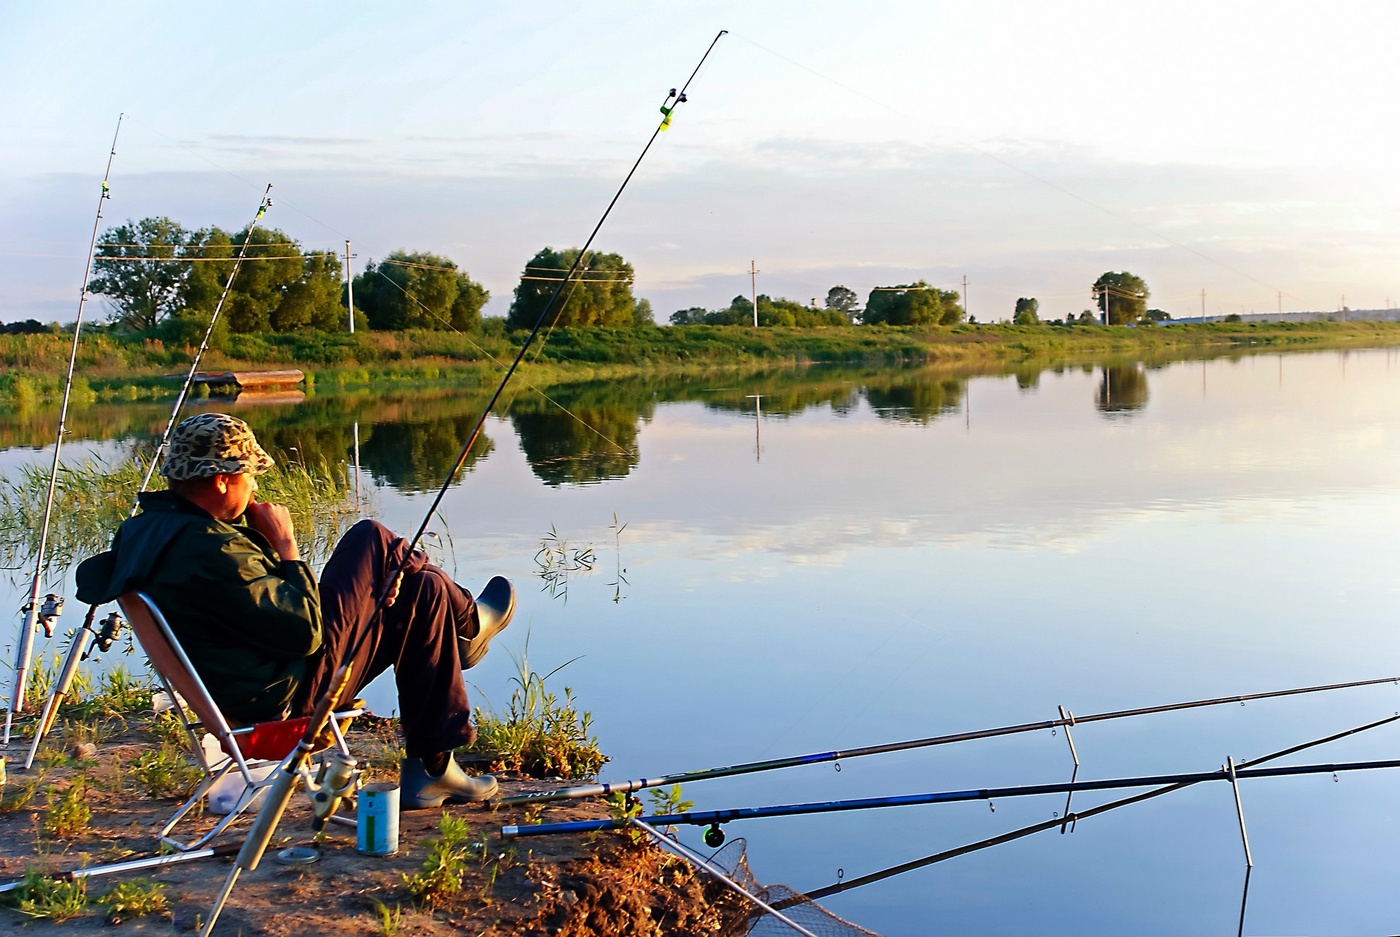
(1239,809)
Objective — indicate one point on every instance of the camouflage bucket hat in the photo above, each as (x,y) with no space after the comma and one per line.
(210,444)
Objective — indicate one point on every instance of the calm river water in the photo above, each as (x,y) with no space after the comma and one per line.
(894,555)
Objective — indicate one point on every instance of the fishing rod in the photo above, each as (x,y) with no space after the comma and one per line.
(713,818)
(46,614)
(132,865)
(275,802)
(752,767)
(85,637)
(1075,817)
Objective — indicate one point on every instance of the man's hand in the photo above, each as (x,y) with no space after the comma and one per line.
(393,595)
(274,522)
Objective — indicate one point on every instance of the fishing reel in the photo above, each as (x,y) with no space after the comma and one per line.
(714,836)
(333,782)
(103,639)
(49,610)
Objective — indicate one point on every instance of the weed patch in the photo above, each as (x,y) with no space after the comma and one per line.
(41,897)
(136,898)
(540,734)
(164,772)
(68,814)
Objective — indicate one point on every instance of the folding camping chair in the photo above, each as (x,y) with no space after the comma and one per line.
(266,741)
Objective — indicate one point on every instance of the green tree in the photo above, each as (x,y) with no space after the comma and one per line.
(601,293)
(913,304)
(642,313)
(1027,311)
(695,315)
(1121,296)
(844,301)
(145,291)
(315,300)
(418,290)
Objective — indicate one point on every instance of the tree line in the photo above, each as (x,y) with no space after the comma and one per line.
(161,277)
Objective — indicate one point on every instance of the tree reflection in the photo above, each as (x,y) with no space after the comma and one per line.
(920,397)
(584,437)
(417,455)
(1122,389)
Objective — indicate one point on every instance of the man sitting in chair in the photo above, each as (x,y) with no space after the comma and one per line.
(266,638)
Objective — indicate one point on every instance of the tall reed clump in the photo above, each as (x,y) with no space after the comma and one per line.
(540,734)
(92,497)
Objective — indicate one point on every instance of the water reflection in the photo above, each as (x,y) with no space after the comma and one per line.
(1122,389)
(583,436)
(920,397)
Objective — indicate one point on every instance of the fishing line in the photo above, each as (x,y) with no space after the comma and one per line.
(32,617)
(280,791)
(1070,193)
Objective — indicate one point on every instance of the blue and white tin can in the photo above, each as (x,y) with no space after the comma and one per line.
(377,820)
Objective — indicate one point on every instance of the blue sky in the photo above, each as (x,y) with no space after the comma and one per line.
(1240,148)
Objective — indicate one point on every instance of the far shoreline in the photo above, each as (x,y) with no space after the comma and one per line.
(116,367)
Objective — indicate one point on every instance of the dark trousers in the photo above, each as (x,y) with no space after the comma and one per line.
(417,636)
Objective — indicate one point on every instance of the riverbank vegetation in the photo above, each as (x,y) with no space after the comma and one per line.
(130,366)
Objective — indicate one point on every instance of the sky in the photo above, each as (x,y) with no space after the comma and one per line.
(1235,148)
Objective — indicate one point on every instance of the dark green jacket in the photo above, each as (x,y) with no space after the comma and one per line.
(247,619)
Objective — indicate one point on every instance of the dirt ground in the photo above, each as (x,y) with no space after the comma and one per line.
(569,885)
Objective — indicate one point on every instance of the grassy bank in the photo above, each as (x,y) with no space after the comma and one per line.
(131,367)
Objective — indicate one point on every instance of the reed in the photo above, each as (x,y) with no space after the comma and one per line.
(93,497)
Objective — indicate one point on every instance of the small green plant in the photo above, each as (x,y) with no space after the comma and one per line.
(118,694)
(556,561)
(164,772)
(136,898)
(668,802)
(449,858)
(390,922)
(624,807)
(165,728)
(68,814)
(540,734)
(41,897)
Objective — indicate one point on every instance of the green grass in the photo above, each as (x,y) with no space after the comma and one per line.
(131,367)
(449,859)
(540,734)
(164,772)
(135,898)
(68,814)
(46,898)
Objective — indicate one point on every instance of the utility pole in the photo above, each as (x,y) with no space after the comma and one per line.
(1280,305)
(753,289)
(350,286)
(1203,305)
(965,311)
